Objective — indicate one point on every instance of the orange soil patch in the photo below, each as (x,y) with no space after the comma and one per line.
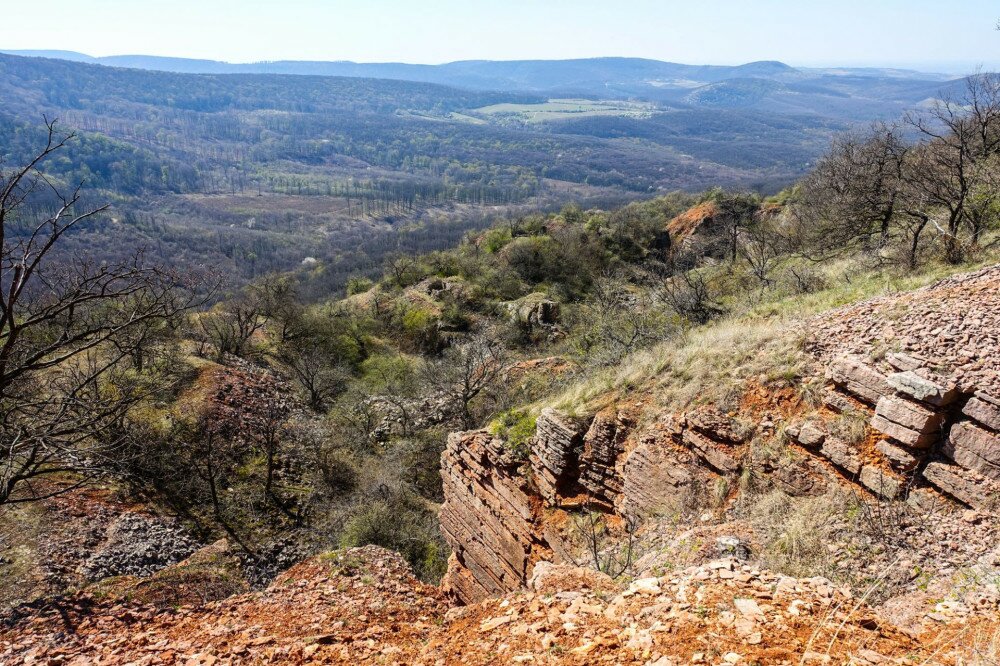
(758,400)
(688,222)
(363,606)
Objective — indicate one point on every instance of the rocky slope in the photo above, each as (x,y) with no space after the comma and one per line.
(892,436)
(917,374)
(80,537)
(363,606)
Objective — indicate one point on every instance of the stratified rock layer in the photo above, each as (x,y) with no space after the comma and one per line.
(931,428)
(489,517)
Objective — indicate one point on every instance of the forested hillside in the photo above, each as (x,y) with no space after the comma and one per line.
(254,173)
(619,78)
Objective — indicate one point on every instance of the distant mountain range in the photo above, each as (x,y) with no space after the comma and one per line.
(600,77)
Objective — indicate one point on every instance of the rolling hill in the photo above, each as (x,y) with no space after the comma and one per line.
(608,78)
(260,167)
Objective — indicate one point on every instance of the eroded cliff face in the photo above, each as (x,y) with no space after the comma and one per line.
(502,516)
(490,518)
(919,371)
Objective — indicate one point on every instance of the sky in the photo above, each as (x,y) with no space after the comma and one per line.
(952,35)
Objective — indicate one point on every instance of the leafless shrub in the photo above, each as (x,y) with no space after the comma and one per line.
(692,297)
(67,330)
(604,552)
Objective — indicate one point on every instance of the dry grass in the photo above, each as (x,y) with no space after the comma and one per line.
(794,533)
(762,342)
(975,643)
(982,645)
(20,526)
(706,364)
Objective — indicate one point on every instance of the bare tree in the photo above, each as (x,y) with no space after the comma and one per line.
(853,195)
(736,212)
(66,327)
(762,248)
(316,370)
(403,268)
(621,320)
(466,372)
(962,141)
(279,302)
(607,554)
(231,326)
(691,296)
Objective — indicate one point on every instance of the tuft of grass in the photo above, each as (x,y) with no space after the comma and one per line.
(850,426)
(516,427)
(795,532)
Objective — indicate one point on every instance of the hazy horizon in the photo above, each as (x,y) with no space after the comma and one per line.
(851,33)
(931,67)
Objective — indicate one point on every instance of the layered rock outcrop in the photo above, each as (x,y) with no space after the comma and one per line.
(502,516)
(932,404)
(929,416)
(490,517)
(920,442)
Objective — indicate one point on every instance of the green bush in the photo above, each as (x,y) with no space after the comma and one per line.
(495,239)
(399,524)
(338,472)
(358,285)
(516,428)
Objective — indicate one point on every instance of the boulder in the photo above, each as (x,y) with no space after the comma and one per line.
(732,546)
(801,476)
(712,453)
(842,454)
(974,448)
(859,379)
(534,311)
(714,424)
(881,482)
(931,501)
(549,578)
(899,457)
(920,388)
(904,362)
(811,434)
(836,401)
(981,409)
(908,422)
(965,486)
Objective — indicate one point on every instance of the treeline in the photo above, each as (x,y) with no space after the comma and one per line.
(383,198)
(76,85)
(937,172)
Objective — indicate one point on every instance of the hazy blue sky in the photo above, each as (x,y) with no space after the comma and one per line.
(801,32)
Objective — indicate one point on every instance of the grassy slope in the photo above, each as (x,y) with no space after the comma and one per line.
(762,341)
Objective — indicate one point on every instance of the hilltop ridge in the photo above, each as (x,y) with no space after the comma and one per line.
(600,76)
